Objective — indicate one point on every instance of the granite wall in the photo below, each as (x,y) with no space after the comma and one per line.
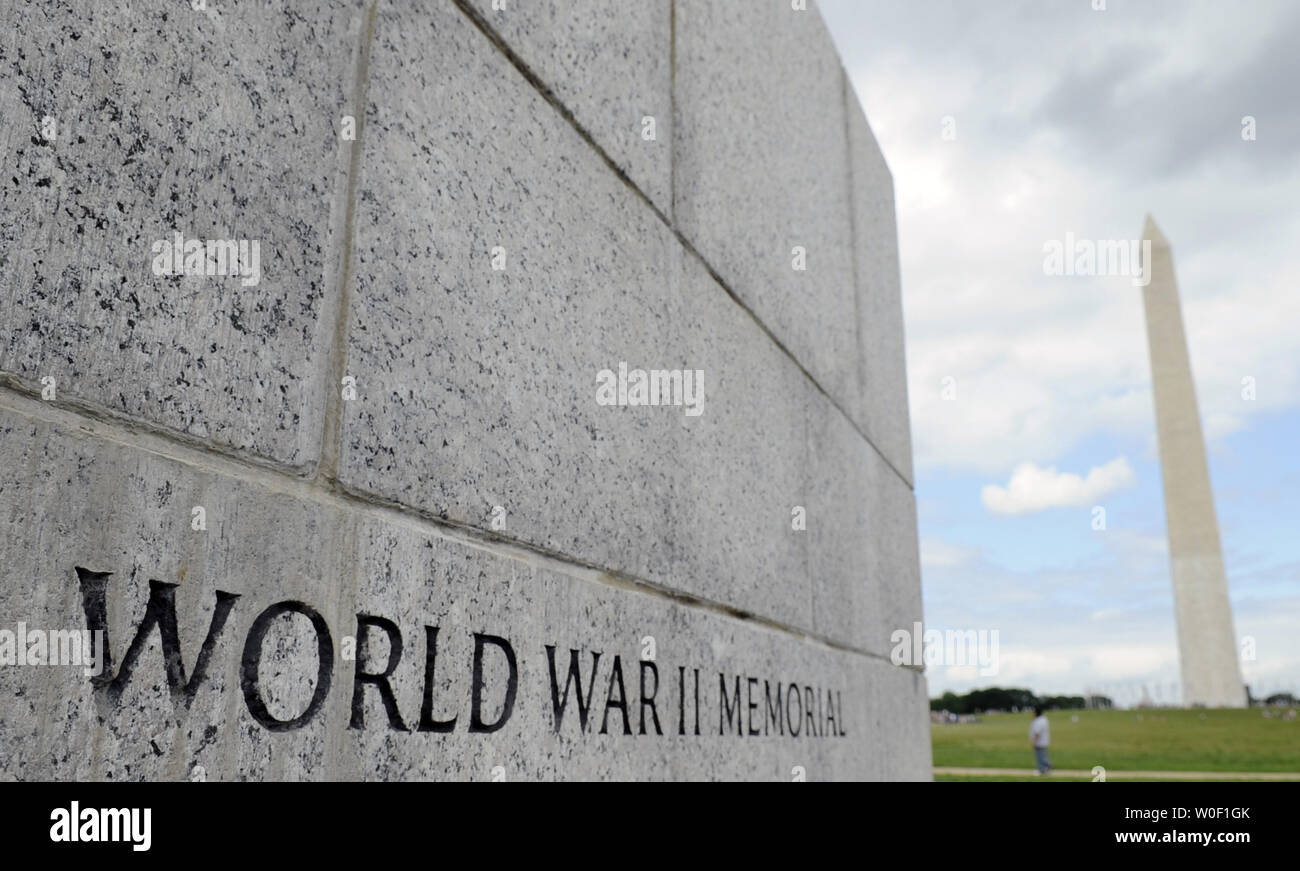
(326,408)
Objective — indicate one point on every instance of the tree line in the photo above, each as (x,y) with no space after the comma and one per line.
(1010,699)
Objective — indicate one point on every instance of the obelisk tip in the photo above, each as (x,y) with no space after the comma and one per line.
(1152,232)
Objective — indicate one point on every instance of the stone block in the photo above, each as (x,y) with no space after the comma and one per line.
(883,409)
(124,129)
(760,169)
(477,385)
(609,64)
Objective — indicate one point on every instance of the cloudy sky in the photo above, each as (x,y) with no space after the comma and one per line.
(1063,119)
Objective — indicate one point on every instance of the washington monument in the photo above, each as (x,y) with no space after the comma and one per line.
(1207,646)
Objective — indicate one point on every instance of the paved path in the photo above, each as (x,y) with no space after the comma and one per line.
(1127,775)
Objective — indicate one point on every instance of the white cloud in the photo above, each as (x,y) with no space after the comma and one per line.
(1021,665)
(1034,489)
(1043,364)
(1133,661)
(935,552)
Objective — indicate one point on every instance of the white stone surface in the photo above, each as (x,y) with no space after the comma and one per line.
(882,407)
(237,139)
(110,507)
(610,65)
(1207,647)
(475,388)
(762,167)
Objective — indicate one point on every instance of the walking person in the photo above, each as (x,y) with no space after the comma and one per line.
(1040,737)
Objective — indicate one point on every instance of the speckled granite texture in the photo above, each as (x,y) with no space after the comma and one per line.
(217,124)
(385,461)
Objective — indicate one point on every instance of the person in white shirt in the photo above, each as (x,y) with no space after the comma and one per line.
(1040,737)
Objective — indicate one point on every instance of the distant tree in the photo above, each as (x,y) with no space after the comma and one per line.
(1281,699)
(1012,699)
(949,701)
(979,701)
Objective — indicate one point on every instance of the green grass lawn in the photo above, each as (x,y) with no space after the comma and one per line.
(1150,740)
